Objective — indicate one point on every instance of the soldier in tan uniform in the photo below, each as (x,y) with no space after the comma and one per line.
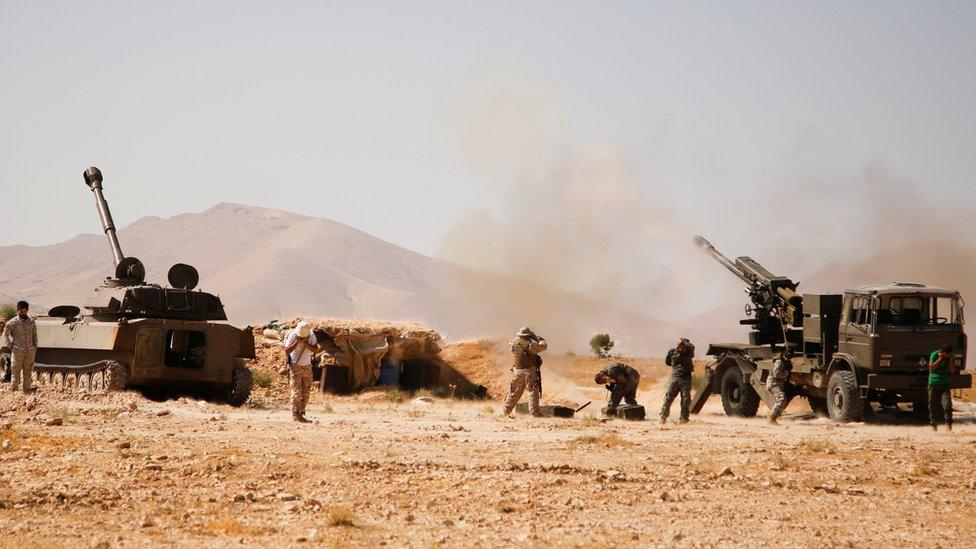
(20,336)
(300,344)
(527,374)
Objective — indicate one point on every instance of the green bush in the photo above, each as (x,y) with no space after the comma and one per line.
(395,396)
(8,310)
(262,379)
(601,345)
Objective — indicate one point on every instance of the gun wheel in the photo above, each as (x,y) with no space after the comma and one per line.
(738,398)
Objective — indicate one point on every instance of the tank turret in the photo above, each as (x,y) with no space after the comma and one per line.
(127,295)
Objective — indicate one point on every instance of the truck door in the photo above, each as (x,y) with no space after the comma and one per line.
(857,329)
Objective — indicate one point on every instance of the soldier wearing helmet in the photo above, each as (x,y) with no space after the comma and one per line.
(680,360)
(527,375)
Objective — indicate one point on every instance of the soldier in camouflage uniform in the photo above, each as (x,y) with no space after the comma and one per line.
(527,374)
(622,381)
(779,376)
(679,359)
(300,345)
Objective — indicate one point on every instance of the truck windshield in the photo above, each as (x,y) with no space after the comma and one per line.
(919,311)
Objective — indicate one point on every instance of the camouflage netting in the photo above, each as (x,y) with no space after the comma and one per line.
(363,345)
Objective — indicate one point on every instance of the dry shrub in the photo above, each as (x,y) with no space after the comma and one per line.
(817,446)
(607,440)
(926,465)
(226,525)
(341,516)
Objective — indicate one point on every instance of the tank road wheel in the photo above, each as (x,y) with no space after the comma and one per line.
(240,389)
(819,406)
(738,398)
(844,402)
(5,371)
(115,377)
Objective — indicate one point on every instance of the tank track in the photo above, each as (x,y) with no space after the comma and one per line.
(101,376)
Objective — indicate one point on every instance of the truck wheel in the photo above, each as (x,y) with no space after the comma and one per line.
(819,406)
(844,402)
(240,389)
(738,398)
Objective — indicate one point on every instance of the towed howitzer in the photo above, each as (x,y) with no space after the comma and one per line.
(775,306)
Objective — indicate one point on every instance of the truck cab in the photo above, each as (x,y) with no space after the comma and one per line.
(887,333)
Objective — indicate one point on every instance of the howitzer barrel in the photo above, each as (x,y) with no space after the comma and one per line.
(93,178)
(726,262)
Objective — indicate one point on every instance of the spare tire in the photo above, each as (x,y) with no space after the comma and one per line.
(738,397)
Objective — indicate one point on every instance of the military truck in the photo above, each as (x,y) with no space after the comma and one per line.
(869,344)
(162,340)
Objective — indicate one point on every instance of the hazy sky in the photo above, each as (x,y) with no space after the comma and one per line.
(351,110)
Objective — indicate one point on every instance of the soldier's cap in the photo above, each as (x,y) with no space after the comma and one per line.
(685,342)
(303,329)
(525,331)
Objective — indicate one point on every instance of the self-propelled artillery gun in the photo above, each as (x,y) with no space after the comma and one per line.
(159,339)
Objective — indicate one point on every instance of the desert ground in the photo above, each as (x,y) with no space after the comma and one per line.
(383,468)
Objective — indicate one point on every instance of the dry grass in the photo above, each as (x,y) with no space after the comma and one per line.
(926,465)
(262,379)
(415,414)
(817,446)
(226,525)
(341,516)
(395,396)
(607,440)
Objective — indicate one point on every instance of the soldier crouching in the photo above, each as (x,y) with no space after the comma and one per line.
(527,374)
(622,381)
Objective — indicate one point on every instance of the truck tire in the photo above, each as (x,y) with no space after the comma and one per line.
(240,389)
(819,406)
(738,398)
(844,402)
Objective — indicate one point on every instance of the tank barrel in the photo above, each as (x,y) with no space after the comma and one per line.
(717,255)
(93,178)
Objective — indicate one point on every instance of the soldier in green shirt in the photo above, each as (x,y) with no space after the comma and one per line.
(940,398)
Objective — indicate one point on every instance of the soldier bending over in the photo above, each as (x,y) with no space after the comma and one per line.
(621,380)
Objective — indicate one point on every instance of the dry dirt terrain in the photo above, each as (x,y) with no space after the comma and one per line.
(120,470)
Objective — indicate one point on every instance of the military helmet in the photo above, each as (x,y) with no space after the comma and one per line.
(525,332)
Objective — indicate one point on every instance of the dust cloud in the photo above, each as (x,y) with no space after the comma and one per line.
(578,242)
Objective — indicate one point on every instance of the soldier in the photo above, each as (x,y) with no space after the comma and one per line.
(779,376)
(528,376)
(300,345)
(679,359)
(621,380)
(940,397)
(20,335)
